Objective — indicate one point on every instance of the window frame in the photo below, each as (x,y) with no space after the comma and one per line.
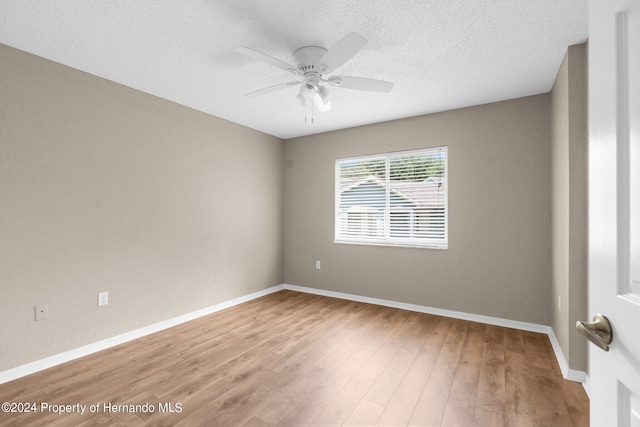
(342,235)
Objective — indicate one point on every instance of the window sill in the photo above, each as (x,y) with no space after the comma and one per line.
(439,246)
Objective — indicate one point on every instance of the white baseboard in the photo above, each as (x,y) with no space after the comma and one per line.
(76,353)
(569,374)
(67,356)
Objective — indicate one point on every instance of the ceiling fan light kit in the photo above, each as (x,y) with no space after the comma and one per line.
(313,65)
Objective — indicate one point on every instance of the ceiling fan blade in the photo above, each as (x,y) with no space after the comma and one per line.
(270,89)
(320,104)
(341,52)
(263,57)
(360,83)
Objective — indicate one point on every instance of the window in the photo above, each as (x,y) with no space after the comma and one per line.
(396,199)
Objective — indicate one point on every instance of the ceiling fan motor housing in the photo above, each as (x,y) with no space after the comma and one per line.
(307,58)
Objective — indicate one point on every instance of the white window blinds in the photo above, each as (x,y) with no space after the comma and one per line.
(397,199)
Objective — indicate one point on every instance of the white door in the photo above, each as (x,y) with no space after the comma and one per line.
(614,208)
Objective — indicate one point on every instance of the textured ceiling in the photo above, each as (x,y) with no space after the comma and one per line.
(441,54)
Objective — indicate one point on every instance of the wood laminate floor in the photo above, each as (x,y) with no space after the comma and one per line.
(294,359)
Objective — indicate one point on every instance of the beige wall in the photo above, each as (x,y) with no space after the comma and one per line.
(569,206)
(104,188)
(499,257)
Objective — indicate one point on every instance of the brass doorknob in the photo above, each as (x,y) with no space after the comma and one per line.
(598,332)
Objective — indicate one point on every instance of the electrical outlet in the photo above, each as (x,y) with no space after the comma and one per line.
(317,265)
(559,303)
(42,311)
(103,298)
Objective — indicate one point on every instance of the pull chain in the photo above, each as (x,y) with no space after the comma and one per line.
(308,106)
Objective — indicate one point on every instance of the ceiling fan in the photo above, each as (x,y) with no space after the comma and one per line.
(313,66)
